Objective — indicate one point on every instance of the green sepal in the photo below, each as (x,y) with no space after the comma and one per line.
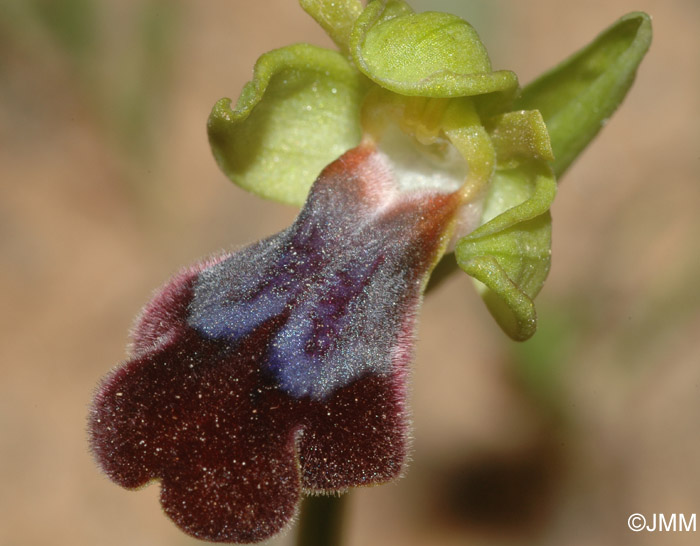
(509,255)
(431,54)
(577,97)
(336,17)
(299,113)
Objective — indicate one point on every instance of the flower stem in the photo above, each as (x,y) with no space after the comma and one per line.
(321,521)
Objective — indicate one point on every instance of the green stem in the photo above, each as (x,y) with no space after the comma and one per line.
(321,521)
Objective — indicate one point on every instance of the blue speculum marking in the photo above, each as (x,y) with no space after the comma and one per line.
(340,317)
(340,282)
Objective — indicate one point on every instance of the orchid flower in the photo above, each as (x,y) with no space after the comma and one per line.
(278,370)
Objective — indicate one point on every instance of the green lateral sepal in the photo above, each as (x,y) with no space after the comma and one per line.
(300,112)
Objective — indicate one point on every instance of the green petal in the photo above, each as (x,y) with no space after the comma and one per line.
(519,135)
(337,17)
(300,112)
(510,254)
(578,96)
(429,54)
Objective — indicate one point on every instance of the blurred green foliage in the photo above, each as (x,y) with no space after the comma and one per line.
(119,59)
(539,365)
(71,23)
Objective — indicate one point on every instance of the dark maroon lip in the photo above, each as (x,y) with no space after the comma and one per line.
(279,369)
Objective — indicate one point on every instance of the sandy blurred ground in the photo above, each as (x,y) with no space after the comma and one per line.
(108,186)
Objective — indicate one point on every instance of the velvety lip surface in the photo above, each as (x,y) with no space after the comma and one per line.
(280,368)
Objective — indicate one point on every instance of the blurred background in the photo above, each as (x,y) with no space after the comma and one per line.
(108,187)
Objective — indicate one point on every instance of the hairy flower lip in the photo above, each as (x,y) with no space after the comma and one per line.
(279,369)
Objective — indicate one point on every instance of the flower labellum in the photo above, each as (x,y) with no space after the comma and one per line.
(280,368)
